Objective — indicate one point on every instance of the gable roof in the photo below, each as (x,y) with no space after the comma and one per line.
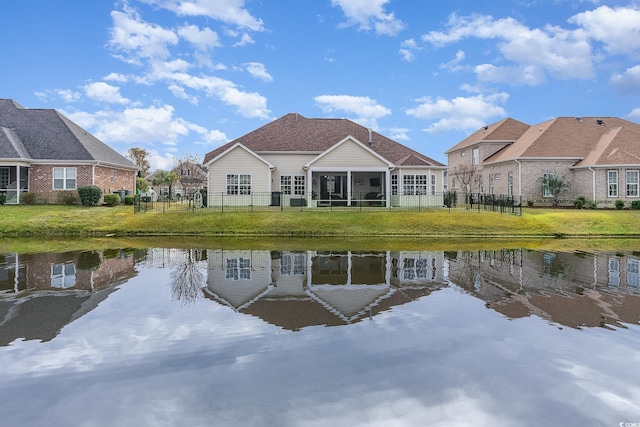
(45,134)
(505,130)
(295,133)
(587,139)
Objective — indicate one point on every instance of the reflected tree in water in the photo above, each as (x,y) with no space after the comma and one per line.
(187,280)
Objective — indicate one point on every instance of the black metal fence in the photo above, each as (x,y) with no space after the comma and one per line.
(276,201)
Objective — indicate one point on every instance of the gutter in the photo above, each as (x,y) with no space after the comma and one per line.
(593,183)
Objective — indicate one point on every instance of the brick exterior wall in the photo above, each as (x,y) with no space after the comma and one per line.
(106,178)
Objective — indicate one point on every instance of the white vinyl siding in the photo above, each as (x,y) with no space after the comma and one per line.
(348,155)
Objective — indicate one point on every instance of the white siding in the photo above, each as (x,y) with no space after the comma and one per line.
(348,155)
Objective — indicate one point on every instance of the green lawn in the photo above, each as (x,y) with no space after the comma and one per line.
(50,220)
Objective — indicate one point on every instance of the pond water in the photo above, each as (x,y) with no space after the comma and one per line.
(228,337)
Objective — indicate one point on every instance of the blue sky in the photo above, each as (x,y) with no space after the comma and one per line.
(182,77)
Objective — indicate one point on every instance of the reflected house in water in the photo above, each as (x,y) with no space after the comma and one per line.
(298,289)
(41,293)
(570,289)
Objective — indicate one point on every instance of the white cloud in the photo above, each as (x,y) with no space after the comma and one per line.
(627,82)
(454,64)
(231,12)
(368,14)
(408,49)
(550,51)
(132,36)
(399,134)
(461,113)
(104,92)
(204,39)
(618,28)
(259,71)
(116,77)
(365,110)
(634,114)
(68,95)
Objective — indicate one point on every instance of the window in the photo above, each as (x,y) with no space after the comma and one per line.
(510,179)
(113,176)
(4,177)
(292,184)
(490,183)
(394,184)
(633,272)
(285,184)
(238,268)
(481,186)
(238,184)
(63,275)
(476,156)
(414,184)
(445,180)
(293,264)
(632,183)
(612,183)
(614,272)
(546,191)
(433,185)
(64,178)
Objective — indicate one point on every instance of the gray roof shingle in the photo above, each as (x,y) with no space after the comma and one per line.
(45,134)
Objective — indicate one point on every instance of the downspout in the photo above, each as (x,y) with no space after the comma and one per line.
(519,177)
(593,183)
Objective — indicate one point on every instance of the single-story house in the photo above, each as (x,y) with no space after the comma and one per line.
(296,161)
(599,157)
(43,152)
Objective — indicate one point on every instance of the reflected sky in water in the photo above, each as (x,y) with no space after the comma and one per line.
(487,338)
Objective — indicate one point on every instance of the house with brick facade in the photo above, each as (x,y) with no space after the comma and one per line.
(297,161)
(599,157)
(43,152)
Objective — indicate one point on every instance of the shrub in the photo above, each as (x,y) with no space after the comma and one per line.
(28,198)
(129,200)
(580,202)
(89,195)
(450,199)
(530,203)
(619,204)
(68,198)
(591,204)
(635,204)
(3,198)
(111,199)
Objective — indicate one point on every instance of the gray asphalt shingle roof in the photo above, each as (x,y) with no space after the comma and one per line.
(45,134)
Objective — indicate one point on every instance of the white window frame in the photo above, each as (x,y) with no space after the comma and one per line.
(413,185)
(476,156)
(394,184)
(633,272)
(4,177)
(633,179)
(285,184)
(238,269)
(299,185)
(63,275)
(433,184)
(293,264)
(238,184)
(490,183)
(67,178)
(612,183)
(510,184)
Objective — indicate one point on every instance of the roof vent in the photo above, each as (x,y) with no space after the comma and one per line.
(370,137)
(486,128)
(600,122)
(578,119)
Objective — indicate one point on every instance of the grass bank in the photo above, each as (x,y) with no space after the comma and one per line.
(57,221)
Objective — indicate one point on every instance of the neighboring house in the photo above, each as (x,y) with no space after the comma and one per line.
(295,161)
(43,152)
(598,156)
(191,178)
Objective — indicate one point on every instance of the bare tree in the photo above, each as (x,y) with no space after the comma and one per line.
(187,280)
(466,177)
(190,172)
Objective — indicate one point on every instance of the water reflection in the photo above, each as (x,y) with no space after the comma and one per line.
(41,293)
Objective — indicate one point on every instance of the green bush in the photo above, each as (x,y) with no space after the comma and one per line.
(619,204)
(580,202)
(68,198)
(129,200)
(450,199)
(89,195)
(3,198)
(635,204)
(111,199)
(591,205)
(28,198)
(530,203)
